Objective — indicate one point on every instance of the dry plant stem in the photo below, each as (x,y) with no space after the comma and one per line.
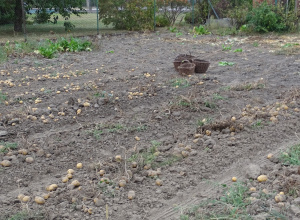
(125,165)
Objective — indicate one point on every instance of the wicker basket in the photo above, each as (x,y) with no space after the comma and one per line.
(201,65)
(184,57)
(187,69)
(178,62)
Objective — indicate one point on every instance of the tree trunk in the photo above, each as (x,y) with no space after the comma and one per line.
(18,17)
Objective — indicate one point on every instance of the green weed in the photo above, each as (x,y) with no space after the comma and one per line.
(238,50)
(225,63)
(210,104)
(201,30)
(291,156)
(257,124)
(255,44)
(25,215)
(7,146)
(180,82)
(217,96)
(226,48)
(3,97)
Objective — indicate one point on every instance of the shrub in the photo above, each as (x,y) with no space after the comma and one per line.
(127,14)
(200,13)
(162,21)
(238,14)
(265,18)
(42,16)
(172,9)
(68,26)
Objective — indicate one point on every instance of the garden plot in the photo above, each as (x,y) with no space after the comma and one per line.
(117,133)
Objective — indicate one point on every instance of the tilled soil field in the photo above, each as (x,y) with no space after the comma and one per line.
(137,126)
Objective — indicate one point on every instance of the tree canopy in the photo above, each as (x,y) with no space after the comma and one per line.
(11,10)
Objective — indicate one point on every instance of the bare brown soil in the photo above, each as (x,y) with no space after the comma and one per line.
(127,99)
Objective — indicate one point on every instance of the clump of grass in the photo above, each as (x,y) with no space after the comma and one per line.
(180,82)
(231,205)
(25,215)
(3,97)
(291,156)
(249,86)
(7,146)
(257,124)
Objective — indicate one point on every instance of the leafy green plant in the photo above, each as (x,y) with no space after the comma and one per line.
(217,96)
(225,63)
(238,14)
(257,124)
(7,146)
(238,50)
(180,82)
(225,48)
(162,21)
(291,156)
(173,29)
(268,17)
(68,26)
(201,30)
(63,45)
(3,97)
(179,34)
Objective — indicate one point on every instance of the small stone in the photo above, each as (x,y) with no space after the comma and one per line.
(296,201)
(252,171)
(3,133)
(295,210)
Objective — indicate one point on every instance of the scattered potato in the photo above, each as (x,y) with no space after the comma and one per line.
(39,200)
(134,164)
(252,189)
(79,166)
(86,104)
(65,179)
(102,172)
(281,193)
(137,138)
(75,183)
(23,151)
(78,111)
(158,182)
(70,171)
(234,179)
(90,211)
(147,166)
(262,178)
(122,183)
(21,196)
(270,156)
(46,196)
(233,119)
(280,198)
(29,160)
(52,187)
(26,199)
(6,163)
(69,176)
(131,194)
(184,153)
(208,132)
(118,158)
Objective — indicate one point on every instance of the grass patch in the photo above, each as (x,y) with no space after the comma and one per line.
(85,24)
(257,124)
(231,205)
(225,63)
(3,97)
(180,83)
(291,156)
(26,215)
(249,86)
(7,146)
